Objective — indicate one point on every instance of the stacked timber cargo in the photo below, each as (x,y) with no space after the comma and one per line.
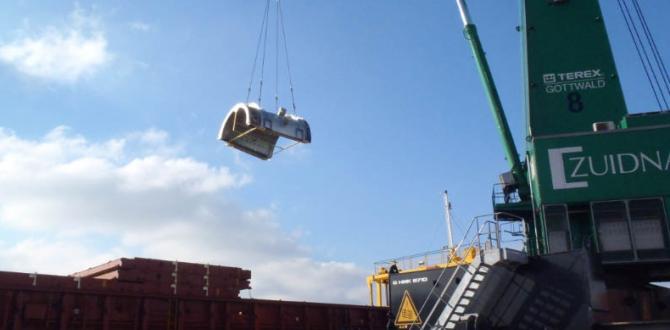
(172,277)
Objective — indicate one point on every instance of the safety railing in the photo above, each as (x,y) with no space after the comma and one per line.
(423,259)
(484,231)
(494,232)
(501,194)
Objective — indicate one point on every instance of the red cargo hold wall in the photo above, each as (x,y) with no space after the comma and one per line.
(32,310)
(29,301)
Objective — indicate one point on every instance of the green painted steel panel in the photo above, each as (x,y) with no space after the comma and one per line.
(571,78)
(619,164)
(646,119)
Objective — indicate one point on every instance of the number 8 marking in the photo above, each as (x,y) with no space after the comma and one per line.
(575,102)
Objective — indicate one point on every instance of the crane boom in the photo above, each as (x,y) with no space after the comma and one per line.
(511,152)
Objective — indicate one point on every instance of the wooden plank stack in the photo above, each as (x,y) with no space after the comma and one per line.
(172,277)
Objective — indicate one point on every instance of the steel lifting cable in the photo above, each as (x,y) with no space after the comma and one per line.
(258,48)
(280,14)
(261,50)
(654,48)
(277,57)
(649,63)
(639,48)
(265,43)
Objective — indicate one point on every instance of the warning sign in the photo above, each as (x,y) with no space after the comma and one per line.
(407,313)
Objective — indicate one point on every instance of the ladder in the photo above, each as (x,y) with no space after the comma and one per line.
(454,301)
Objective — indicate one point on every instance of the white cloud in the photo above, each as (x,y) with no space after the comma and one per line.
(39,255)
(136,198)
(61,54)
(139,26)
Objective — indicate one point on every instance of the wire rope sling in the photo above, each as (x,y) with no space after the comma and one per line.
(248,127)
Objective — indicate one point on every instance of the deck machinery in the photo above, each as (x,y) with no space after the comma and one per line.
(592,194)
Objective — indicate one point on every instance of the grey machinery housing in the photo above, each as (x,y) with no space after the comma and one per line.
(255,131)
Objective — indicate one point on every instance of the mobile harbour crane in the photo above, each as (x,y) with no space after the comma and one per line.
(589,201)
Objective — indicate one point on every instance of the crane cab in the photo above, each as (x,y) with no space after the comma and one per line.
(255,131)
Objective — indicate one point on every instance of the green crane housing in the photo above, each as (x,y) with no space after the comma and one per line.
(599,177)
(589,200)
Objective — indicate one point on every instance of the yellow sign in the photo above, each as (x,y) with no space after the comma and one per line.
(407,313)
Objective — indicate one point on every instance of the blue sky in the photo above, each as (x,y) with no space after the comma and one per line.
(111,111)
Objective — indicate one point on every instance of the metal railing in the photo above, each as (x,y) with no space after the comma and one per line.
(423,259)
(500,233)
(500,196)
(488,232)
